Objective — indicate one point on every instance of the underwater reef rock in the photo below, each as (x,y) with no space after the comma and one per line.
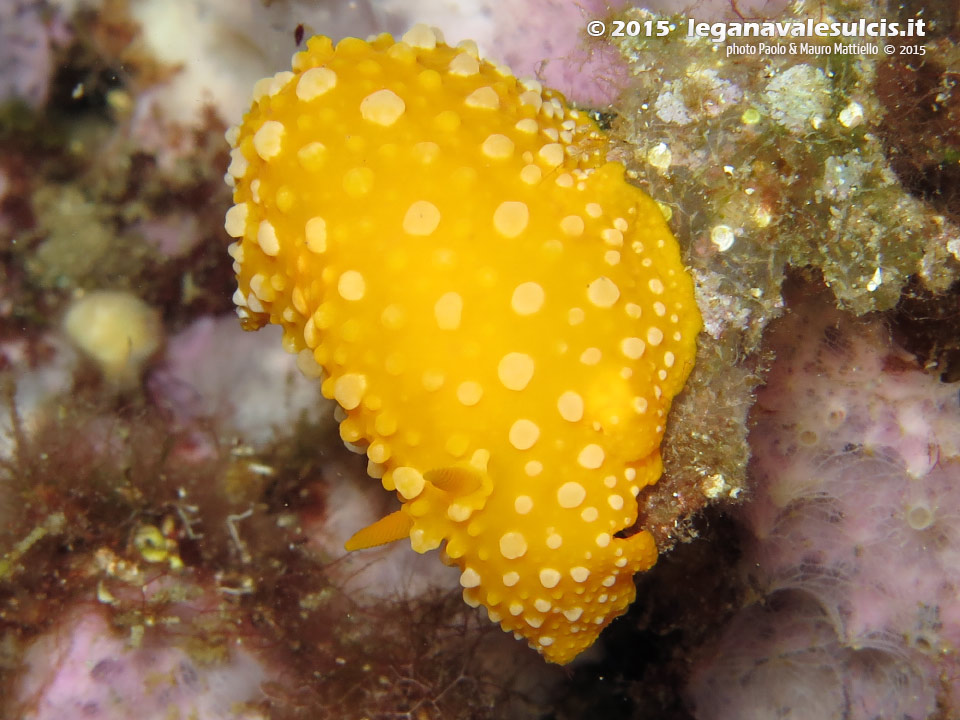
(83,668)
(28,32)
(767,162)
(853,533)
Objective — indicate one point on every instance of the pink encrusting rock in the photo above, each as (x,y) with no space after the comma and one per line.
(204,365)
(855,535)
(82,668)
(548,39)
(29,32)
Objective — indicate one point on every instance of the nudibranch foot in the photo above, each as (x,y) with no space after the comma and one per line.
(502,318)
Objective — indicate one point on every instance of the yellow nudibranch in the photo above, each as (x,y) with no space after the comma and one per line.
(502,318)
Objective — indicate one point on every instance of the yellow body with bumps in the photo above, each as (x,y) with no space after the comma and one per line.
(503,319)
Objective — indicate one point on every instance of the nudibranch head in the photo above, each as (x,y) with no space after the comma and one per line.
(503,319)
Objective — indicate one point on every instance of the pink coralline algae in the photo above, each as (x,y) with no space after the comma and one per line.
(26,51)
(83,669)
(548,39)
(205,363)
(855,536)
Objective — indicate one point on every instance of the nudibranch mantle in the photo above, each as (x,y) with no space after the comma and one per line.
(501,317)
